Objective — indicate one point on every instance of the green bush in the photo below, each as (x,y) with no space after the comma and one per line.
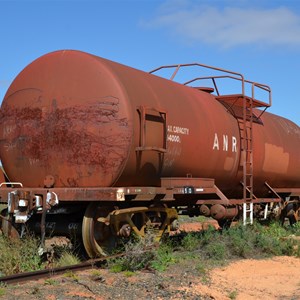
(139,253)
(239,241)
(164,257)
(22,255)
(19,255)
(216,250)
(67,258)
(191,242)
(244,241)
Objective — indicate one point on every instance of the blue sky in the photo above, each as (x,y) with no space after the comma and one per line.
(260,39)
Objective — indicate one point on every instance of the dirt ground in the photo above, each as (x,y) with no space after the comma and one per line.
(276,278)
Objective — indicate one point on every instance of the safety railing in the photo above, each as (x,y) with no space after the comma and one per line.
(230,75)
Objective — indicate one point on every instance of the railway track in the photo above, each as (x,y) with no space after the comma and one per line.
(89,264)
(50,272)
(47,273)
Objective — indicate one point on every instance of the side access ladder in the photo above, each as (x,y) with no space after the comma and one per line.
(246,132)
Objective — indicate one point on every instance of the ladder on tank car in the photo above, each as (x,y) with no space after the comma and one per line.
(245,123)
(246,135)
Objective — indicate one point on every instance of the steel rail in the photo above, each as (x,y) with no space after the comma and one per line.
(48,273)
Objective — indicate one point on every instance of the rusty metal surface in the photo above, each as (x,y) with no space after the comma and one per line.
(114,194)
(65,116)
(199,183)
(193,133)
(276,153)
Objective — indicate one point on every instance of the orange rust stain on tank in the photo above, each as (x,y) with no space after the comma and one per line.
(229,164)
(276,160)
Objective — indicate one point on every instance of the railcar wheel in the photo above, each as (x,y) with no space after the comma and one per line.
(98,239)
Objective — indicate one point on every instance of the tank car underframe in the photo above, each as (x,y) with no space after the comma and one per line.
(106,214)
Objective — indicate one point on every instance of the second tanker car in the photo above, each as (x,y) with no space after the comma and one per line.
(103,150)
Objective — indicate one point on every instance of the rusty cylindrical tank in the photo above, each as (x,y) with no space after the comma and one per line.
(276,151)
(87,122)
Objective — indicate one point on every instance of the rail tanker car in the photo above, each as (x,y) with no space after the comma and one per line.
(99,149)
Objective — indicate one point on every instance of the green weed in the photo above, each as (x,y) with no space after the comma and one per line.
(67,258)
(163,258)
(19,255)
(232,295)
(2,292)
(116,266)
(190,242)
(51,281)
(128,273)
(71,275)
(139,253)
